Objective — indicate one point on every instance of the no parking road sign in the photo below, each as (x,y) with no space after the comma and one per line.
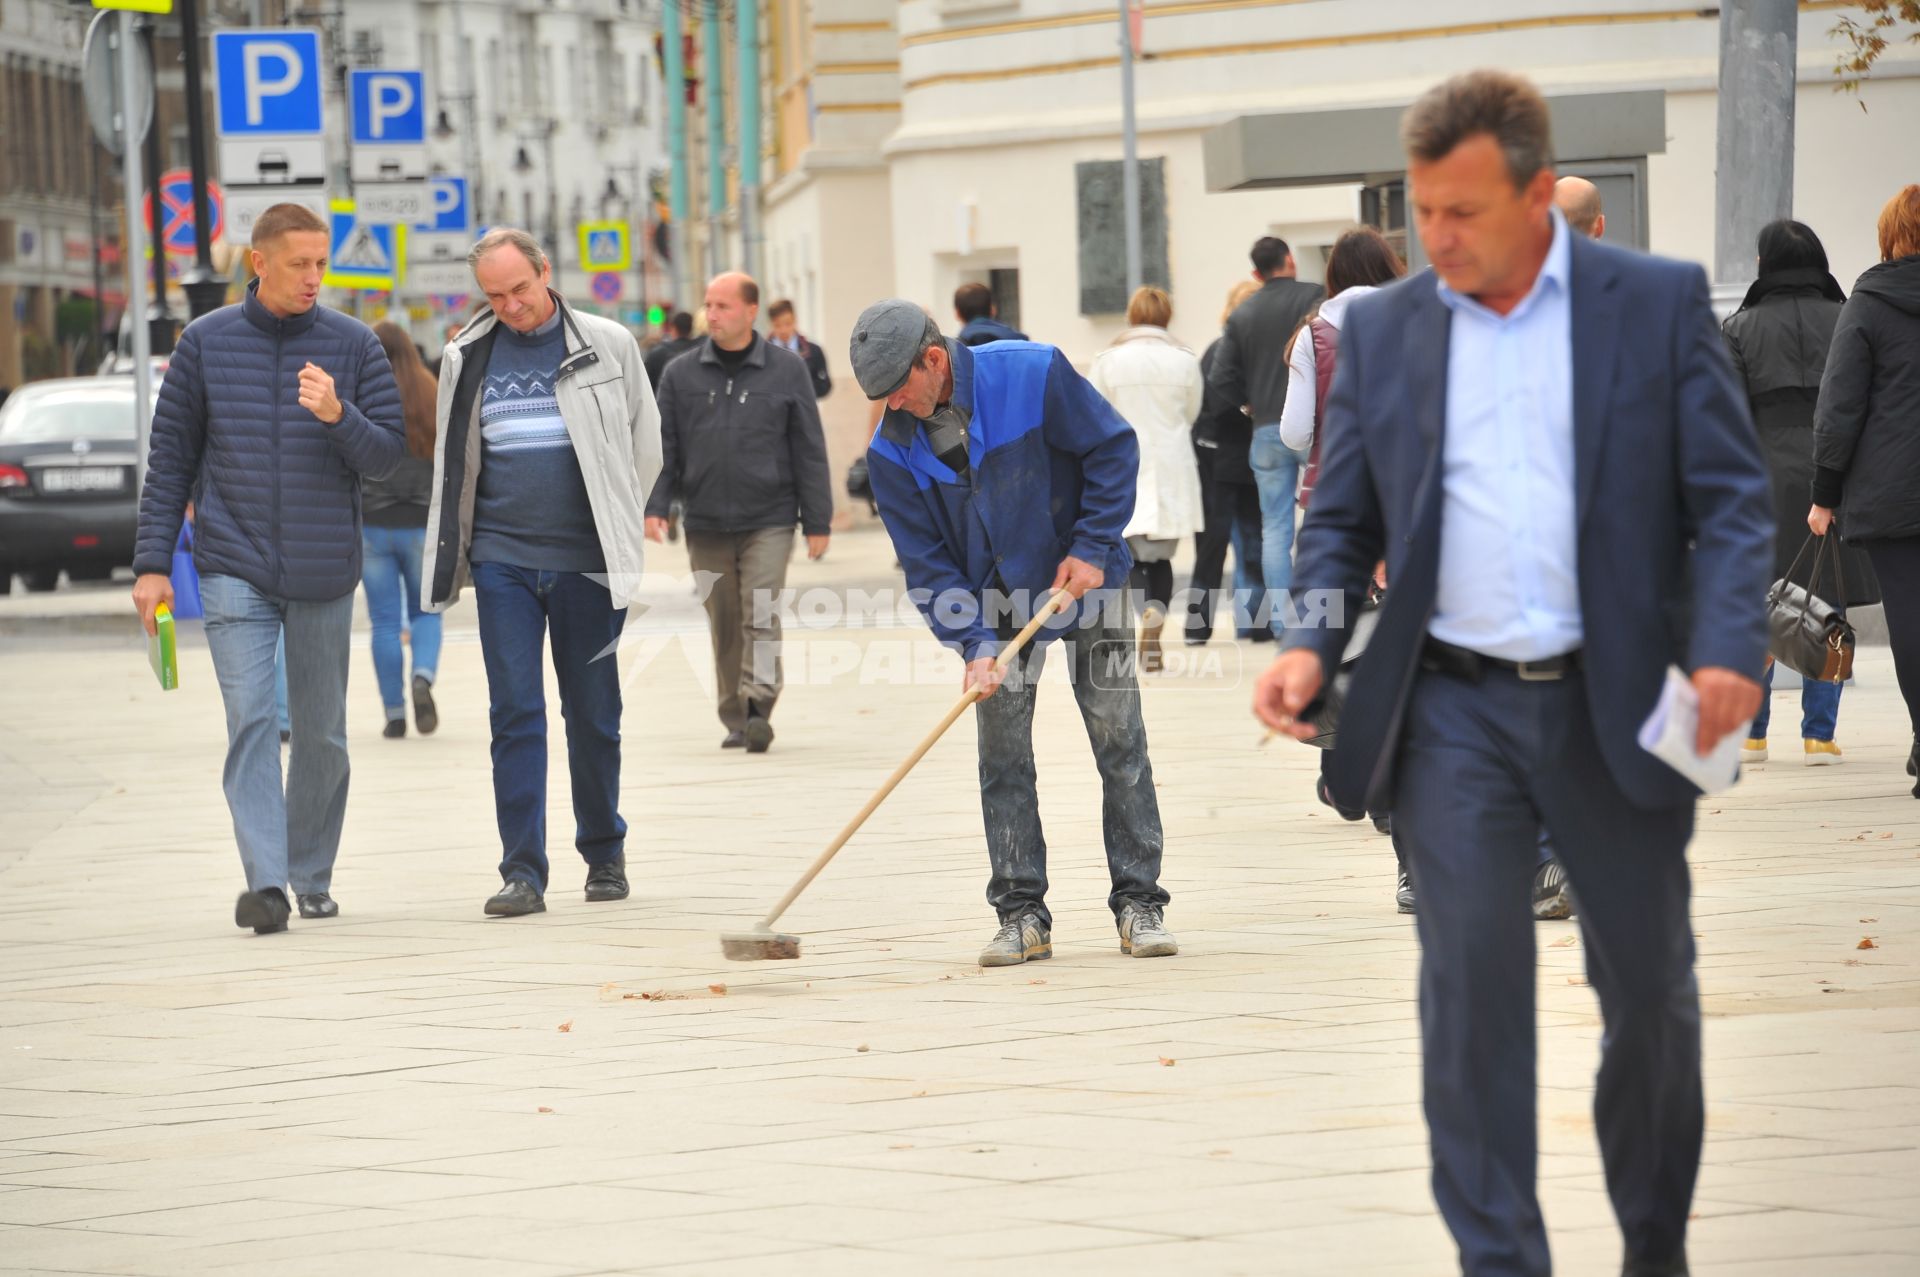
(606,286)
(176,211)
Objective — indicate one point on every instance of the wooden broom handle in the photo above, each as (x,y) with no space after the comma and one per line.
(1059,600)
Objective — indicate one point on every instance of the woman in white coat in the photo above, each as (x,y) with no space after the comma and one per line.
(1155,383)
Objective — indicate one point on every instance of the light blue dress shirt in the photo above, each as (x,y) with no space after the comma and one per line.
(1509,566)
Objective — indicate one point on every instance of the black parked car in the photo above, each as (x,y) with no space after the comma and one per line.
(68,496)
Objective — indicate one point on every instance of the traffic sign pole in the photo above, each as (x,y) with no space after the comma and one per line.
(133,260)
(206,290)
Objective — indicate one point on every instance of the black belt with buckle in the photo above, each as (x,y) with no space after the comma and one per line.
(1464,663)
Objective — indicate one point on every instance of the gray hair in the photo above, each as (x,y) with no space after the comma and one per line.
(929,338)
(1506,107)
(508,237)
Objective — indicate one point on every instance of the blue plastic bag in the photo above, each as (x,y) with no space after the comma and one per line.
(186,578)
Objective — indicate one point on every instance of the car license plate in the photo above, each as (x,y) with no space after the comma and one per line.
(83,479)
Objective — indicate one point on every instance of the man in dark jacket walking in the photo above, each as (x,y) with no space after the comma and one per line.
(1251,370)
(271,413)
(671,349)
(741,446)
(979,318)
(783,330)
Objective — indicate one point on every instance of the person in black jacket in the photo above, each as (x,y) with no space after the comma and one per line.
(666,352)
(1222,437)
(1779,339)
(741,446)
(1250,371)
(784,331)
(271,414)
(392,544)
(1866,437)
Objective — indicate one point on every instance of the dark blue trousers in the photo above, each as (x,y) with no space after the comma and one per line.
(518,608)
(1482,768)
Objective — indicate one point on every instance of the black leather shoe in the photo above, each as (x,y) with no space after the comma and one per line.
(317,905)
(734,740)
(608,881)
(1655,1268)
(515,899)
(395,729)
(265,911)
(759,734)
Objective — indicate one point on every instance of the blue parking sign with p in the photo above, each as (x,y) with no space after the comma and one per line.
(389,107)
(270,81)
(451,212)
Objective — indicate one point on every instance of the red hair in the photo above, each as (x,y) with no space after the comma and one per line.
(1900,225)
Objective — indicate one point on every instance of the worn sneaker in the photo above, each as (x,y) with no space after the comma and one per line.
(1820,753)
(1552,893)
(1754,750)
(1403,892)
(1023,938)
(1152,621)
(1143,933)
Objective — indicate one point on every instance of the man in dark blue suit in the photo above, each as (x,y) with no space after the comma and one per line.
(1543,439)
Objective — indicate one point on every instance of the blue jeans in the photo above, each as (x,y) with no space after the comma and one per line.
(1276,472)
(286,835)
(518,607)
(1104,685)
(1819,708)
(390,571)
(280,681)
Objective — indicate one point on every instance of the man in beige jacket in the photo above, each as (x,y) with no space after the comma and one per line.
(548,444)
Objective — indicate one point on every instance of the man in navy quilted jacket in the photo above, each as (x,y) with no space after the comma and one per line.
(270,414)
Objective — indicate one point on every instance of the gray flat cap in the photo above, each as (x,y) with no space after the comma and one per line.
(885,339)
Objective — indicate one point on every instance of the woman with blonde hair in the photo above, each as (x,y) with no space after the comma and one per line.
(393,537)
(1155,384)
(1230,501)
(1866,437)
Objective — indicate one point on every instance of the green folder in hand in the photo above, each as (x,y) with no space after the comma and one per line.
(160,650)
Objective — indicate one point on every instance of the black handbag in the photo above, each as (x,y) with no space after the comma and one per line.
(1326,719)
(1805,633)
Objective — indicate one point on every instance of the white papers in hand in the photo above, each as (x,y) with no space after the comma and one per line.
(1670,731)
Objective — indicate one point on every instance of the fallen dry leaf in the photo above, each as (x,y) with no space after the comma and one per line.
(718,990)
(609,987)
(919,1094)
(567,1027)
(862,1048)
(1167,1062)
(1851,962)
(543,1109)
(1866,942)
(1036,982)
(1576,981)
(1835,989)
(1887,835)
(1564,942)
(1869,921)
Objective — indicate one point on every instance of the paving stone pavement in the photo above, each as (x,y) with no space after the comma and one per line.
(414,1088)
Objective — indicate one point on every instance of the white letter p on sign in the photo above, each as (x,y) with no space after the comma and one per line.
(258,89)
(389,97)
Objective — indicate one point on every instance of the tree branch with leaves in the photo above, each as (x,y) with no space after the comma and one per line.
(1865,40)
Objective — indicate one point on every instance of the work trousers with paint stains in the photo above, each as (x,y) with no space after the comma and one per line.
(1101,654)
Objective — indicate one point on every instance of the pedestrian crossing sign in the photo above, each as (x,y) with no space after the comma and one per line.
(604,246)
(364,255)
